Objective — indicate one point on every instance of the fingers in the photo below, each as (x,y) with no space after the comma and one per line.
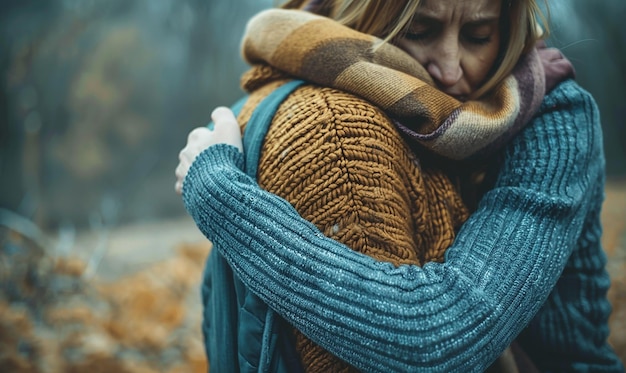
(556,66)
(226,131)
(224,115)
(181,172)
(226,127)
(197,140)
(197,133)
(551,54)
(178,187)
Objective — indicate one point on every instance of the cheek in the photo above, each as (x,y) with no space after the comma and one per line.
(478,65)
(476,70)
(418,52)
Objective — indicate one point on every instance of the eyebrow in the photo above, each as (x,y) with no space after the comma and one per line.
(474,19)
(482,21)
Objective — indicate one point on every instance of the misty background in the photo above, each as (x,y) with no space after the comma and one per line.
(97,97)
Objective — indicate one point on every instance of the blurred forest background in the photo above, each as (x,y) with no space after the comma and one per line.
(96,100)
(98,96)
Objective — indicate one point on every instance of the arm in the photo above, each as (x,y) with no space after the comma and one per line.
(461,313)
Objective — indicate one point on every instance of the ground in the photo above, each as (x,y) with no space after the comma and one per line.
(129,302)
(614,241)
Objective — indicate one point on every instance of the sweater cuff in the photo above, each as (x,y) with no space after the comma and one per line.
(215,159)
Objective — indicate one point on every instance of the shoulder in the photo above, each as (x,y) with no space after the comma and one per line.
(568,111)
(344,107)
(332,155)
(314,116)
(567,90)
(570,98)
(325,125)
(563,139)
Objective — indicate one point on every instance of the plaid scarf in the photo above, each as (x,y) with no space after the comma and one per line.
(322,51)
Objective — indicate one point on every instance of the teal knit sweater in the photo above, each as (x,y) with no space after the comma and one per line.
(527,263)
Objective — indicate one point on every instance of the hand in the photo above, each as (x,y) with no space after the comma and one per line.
(226,131)
(556,66)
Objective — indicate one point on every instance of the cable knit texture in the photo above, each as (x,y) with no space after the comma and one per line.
(340,160)
(527,261)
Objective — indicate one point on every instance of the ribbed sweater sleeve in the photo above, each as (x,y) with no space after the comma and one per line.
(453,316)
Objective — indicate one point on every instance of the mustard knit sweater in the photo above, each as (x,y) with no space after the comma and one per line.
(343,165)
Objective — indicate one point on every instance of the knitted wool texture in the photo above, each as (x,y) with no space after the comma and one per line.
(341,162)
(529,261)
(327,53)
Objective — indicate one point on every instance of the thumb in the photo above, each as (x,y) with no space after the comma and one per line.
(226,127)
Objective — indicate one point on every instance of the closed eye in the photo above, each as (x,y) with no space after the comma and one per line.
(418,36)
(422,29)
(478,40)
(479,32)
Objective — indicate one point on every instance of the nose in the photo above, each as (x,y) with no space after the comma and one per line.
(445,65)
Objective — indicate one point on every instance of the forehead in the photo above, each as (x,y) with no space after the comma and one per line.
(465,10)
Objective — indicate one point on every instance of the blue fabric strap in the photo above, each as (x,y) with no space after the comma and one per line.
(230,308)
(256,310)
(259,123)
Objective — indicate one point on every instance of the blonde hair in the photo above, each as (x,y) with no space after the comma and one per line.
(522,25)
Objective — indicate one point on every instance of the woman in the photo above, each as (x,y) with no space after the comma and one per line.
(526,264)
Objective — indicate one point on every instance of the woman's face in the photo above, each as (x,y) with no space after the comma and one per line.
(457,41)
